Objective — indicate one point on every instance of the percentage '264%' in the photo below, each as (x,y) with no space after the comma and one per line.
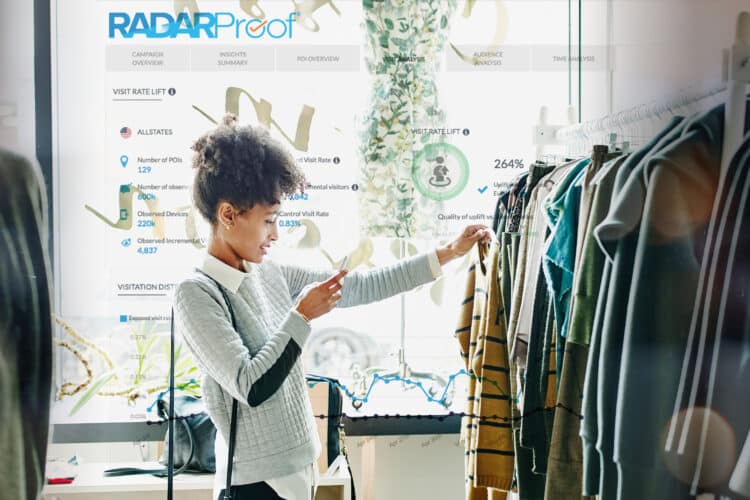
(509,163)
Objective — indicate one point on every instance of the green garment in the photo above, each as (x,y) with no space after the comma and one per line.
(565,462)
(25,329)
(590,277)
(533,430)
(558,261)
(532,324)
(592,460)
(677,188)
(617,236)
(530,485)
(508,259)
(591,259)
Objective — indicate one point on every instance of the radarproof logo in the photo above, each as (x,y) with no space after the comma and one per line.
(199,25)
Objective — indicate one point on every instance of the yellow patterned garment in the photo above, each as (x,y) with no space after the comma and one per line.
(486,430)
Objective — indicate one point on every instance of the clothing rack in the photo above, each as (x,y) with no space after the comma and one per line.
(588,132)
(636,114)
(735,76)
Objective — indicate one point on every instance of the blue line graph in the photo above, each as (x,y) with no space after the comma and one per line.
(376,379)
(178,387)
(395,378)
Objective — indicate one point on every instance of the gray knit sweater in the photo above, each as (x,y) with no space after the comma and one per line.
(278,436)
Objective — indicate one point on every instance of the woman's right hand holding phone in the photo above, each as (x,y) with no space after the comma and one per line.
(318,299)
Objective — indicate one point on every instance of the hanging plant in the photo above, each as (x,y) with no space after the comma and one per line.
(405,40)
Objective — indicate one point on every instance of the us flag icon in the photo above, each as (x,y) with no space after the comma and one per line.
(125,132)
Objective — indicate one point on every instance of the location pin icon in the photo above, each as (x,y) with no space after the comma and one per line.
(124,161)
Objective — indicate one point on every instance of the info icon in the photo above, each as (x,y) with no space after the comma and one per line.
(336,160)
(172,91)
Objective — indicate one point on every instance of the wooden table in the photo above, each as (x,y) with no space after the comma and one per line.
(90,484)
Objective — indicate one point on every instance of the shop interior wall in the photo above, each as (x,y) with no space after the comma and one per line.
(17,76)
(660,48)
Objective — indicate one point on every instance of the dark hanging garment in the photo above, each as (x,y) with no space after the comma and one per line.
(678,186)
(594,272)
(716,362)
(25,329)
(565,462)
(617,236)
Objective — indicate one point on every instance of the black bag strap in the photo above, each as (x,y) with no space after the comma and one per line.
(170,454)
(230,458)
(233,425)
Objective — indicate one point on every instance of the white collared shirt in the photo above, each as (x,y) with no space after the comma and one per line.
(298,485)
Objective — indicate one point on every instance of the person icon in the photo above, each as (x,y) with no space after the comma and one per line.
(440,174)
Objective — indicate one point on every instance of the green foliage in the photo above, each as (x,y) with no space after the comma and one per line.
(146,338)
(92,390)
(406,39)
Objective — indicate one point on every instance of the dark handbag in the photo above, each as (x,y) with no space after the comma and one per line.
(195,435)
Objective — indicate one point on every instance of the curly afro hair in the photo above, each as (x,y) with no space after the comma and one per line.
(242,165)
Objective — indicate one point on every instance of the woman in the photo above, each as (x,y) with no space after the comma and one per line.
(241,176)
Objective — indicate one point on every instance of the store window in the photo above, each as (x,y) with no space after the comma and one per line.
(406,117)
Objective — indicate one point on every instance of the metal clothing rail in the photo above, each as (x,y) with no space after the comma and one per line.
(735,68)
(556,135)
(626,117)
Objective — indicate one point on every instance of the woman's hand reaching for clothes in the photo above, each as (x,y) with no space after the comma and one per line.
(318,299)
(464,242)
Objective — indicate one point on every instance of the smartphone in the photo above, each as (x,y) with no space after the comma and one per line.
(344,263)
